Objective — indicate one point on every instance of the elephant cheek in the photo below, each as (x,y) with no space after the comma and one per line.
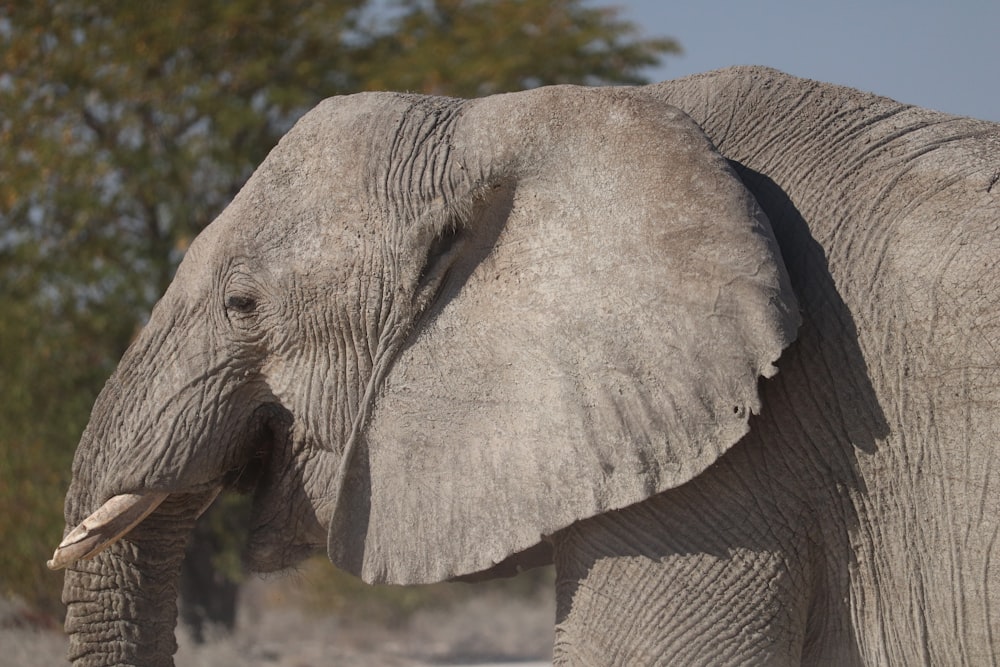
(291,511)
(121,606)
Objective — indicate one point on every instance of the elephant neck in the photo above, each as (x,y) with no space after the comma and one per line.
(836,153)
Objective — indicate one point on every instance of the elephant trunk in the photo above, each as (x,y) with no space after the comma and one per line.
(122,604)
(142,474)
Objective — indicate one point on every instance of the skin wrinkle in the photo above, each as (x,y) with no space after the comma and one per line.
(346,393)
(370,307)
(882,255)
(919,486)
(945,492)
(182,403)
(420,134)
(145,429)
(419,169)
(636,620)
(324,377)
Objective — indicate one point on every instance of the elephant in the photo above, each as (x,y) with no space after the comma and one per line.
(449,339)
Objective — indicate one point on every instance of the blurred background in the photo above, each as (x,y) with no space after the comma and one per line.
(932,53)
(126,127)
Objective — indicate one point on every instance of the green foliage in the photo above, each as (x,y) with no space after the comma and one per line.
(470,48)
(125,127)
(52,360)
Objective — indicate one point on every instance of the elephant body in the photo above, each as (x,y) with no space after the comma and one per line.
(447,339)
(859,518)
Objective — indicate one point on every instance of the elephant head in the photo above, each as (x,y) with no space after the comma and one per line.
(425,335)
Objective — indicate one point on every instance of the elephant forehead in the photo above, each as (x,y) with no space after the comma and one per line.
(312,221)
(325,190)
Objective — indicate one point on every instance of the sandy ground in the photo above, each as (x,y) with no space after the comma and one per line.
(274,631)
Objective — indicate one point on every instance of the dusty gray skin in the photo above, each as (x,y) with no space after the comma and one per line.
(428,333)
(858,523)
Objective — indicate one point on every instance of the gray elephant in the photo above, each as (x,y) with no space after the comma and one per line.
(446,339)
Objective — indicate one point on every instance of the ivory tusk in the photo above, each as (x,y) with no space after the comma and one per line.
(104,527)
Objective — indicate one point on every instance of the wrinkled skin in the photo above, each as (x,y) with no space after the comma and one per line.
(858,521)
(446,339)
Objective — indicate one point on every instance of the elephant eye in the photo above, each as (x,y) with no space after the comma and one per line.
(240,304)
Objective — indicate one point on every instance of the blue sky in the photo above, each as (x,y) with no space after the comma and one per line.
(942,55)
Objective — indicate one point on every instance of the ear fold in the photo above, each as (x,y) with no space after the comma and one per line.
(599,339)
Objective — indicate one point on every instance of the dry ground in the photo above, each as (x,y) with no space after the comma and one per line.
(274,630)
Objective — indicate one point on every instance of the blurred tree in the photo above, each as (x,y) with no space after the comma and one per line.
(470,48)
(126,127)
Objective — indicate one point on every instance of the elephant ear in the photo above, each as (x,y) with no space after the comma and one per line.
(599,340)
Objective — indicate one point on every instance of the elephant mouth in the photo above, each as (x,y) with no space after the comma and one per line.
(268,434)
(117,517)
